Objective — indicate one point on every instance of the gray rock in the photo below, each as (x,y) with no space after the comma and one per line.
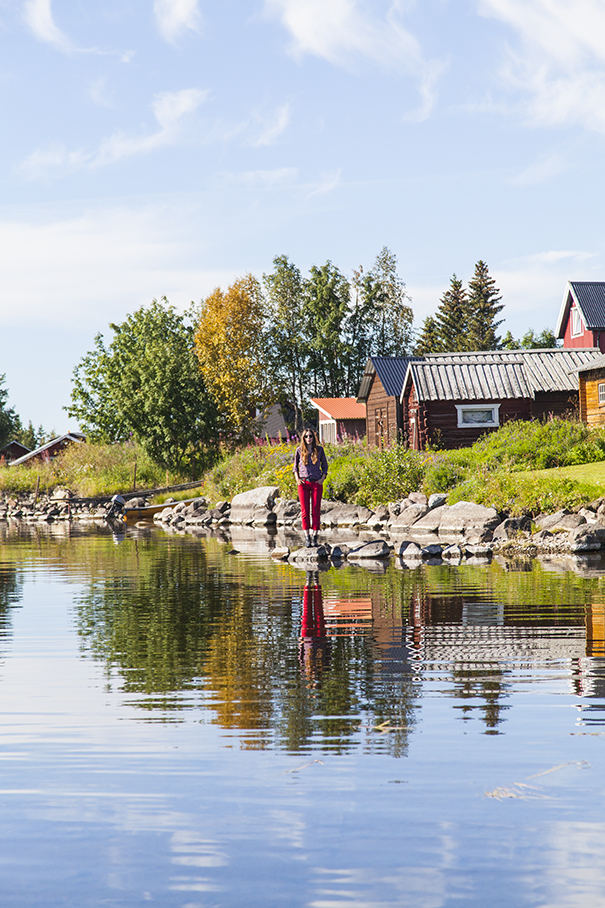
(478,551)
(561,520)
(287,510)
(378,549)
(418,497)
(394,509)
(436,500)
(408,517)
(587,542)
(542,536)
(431,521)
(511,527)
(381,512)
(263,497)
(135,503)
(408,549)
(453,552)
(310,555)
(465,515)
(432,551)
(280,554)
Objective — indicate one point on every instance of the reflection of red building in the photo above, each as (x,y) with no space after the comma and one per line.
(346,615)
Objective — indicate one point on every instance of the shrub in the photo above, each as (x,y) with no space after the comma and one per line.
(390,475)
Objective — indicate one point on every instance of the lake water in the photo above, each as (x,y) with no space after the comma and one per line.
(188,727)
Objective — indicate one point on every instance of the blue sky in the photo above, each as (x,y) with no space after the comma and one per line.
(164,148)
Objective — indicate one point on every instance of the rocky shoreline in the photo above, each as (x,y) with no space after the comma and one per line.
(414,529)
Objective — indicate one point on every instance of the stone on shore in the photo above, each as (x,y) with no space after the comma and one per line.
(377,549)
(465,516)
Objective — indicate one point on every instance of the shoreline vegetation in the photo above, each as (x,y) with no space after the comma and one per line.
(523,469)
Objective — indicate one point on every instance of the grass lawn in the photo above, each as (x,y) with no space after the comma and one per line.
(592,474)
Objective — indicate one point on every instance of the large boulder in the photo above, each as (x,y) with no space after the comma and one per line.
(430,522)
(407,517)
(377,549)
(254,507)
(560,520)
(466,517)
(346,515)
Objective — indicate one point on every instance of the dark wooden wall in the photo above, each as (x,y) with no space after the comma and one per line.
(382,415)
(555,403)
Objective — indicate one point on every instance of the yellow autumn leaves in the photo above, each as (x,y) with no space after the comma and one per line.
(232,348)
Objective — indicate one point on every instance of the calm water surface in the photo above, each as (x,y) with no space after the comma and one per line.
(193,728)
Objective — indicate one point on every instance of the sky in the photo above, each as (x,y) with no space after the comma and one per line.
(166,147)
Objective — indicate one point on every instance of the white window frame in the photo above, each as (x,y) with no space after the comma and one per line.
(493,423)
(601,392)
(577,325)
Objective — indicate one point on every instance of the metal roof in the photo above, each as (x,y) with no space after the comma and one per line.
(470,380)
(589,297)
(499,374)
(391,371)
(69,436)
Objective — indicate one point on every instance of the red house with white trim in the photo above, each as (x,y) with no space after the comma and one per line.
(340,416)
(582,315)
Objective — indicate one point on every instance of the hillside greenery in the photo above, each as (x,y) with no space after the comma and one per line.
(523,468)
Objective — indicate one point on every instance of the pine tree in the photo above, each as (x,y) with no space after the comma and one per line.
(451,318)
(484,304)
(428,339)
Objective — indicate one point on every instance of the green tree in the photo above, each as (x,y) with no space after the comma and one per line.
(452,318)
(380,319)
(484,304)
(530,340)
(326,310)
(10,424)
(146,382)
(288,343)
(428,340)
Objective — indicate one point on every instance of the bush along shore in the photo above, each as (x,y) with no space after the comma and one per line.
(413,529)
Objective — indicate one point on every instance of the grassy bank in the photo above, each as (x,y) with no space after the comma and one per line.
(90,470)
(523,468)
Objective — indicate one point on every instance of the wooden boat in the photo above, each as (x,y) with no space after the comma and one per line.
(133,515)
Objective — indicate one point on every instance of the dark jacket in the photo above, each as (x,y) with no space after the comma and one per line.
(312,472)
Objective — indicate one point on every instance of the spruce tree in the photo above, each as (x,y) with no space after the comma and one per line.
(452,317)
(428,339)
(484,304)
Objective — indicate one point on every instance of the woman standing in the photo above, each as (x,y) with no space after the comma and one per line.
(310,470)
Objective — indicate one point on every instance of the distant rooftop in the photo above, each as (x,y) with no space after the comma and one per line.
(340,407)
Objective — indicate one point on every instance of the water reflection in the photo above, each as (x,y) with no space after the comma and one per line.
(315,647)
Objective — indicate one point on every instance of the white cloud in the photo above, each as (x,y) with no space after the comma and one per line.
(343,31)
(559,63)
(170,109)
(174,17)
(329,181)
(272,127)
(255,179)
(38,16)
(545,168)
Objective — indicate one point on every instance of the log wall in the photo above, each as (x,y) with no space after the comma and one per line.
(382,417)
(591,411)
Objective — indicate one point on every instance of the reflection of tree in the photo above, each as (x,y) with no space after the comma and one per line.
(483,684)
(11,591)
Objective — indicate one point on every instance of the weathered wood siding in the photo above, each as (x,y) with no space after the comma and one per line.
(353,428)
(382,418)
(555,403)
(591,411)
(436,421)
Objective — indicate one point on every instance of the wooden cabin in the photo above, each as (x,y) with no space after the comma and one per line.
(12,450)
(340,417)
(380,391)
(581,320)
(591,380)
(51,449)
(451,399)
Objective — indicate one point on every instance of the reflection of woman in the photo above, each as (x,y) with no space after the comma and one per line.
(310,470)
(314,644)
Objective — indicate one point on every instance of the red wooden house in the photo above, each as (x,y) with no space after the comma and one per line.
(582,315)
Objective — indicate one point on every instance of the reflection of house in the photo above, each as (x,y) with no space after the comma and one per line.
(582,315)
(51,449)
(340,417)
(380,391)
(451,399)
(12,451)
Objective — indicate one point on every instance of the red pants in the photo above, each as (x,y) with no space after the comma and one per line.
(313,623)
(310,493)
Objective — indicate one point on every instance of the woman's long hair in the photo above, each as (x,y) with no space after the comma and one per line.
(304,453)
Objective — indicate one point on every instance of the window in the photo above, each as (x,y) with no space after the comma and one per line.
(602,392)
(477,416)
(577,327)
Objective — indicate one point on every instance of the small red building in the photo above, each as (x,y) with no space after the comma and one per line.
(51,449)
(582,315)
(340,417)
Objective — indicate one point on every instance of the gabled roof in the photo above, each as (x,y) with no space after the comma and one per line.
(589,297)
(60,439)
(340,407)
(463,379)
(547,368)
(498,374)
(390,370)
